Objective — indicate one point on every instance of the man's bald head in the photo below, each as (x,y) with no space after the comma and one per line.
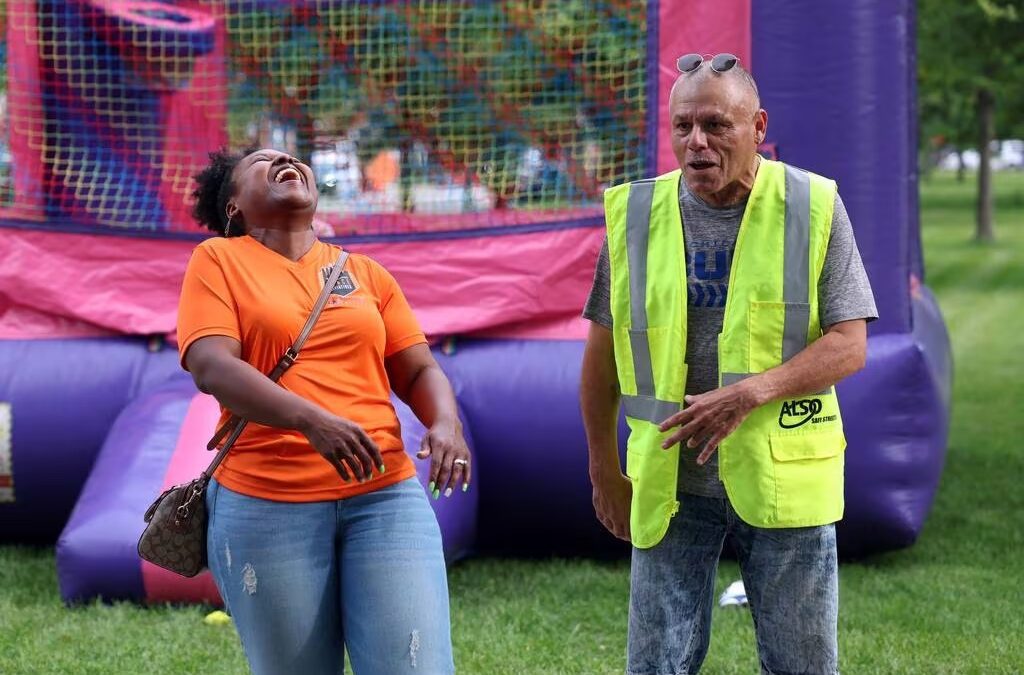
(737,80)
(717,124)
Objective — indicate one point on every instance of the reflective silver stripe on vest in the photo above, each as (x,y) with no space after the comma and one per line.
(795,291)
(638,219)
(649,409)
(733,378)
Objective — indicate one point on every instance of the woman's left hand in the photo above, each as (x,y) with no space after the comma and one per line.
(420,382)
(450,461)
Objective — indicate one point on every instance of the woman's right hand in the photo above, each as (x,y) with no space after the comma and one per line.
(345,445)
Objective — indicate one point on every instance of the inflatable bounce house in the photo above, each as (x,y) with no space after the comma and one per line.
(466,147)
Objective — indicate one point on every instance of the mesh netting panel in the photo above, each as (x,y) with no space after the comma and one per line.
(414,115)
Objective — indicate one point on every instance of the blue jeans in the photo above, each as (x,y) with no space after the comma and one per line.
(791,580)
(305,581)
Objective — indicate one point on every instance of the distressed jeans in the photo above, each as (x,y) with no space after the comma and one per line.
(305,581)
(791,580)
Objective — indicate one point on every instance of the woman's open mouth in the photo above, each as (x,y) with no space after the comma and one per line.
(288,174)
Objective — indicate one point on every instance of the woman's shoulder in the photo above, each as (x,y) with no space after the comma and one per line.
(360,262)
(367,270)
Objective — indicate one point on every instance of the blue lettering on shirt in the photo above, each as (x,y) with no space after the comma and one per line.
(707,271)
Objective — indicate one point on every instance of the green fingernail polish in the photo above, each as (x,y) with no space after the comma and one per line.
(430,487)
(465,486)
(448,492)
(437,493)
(382,468)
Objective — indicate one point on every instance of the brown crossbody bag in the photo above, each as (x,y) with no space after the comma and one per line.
(175,534)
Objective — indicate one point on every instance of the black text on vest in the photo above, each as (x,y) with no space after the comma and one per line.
(797,413)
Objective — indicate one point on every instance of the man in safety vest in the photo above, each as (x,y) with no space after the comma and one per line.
(728,300)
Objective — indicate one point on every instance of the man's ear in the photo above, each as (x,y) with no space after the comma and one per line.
(761,125)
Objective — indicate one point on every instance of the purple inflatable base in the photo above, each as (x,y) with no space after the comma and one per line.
(64,397)
(896,415)
(96,552)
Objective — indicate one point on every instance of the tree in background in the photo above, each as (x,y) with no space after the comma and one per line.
(970,69)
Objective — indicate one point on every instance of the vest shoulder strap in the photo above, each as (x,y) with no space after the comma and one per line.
(817,181)
(624,187)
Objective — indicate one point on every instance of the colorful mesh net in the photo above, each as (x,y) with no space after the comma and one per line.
(414,116)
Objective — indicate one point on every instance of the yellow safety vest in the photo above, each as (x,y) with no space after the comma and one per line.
(783,467)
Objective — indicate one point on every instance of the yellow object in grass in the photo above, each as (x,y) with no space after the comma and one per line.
(217,618)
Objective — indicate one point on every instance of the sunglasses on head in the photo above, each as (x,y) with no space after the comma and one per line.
(720,63)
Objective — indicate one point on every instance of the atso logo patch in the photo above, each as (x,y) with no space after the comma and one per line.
(798,413)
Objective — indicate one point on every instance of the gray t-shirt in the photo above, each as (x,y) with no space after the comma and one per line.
(844,293)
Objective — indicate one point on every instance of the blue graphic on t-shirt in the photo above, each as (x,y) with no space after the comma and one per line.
(707,271)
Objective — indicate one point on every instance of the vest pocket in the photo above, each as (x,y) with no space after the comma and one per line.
(808,471)
(645,458)
(796,447)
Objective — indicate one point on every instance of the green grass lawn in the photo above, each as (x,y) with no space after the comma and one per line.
(951,604)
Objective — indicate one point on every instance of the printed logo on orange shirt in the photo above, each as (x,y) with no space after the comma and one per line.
(346,284)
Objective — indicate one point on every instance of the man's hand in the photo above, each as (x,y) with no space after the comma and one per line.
(599,404)
(613,494)
(710,417)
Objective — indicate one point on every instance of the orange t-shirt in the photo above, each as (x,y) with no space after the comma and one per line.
(241,289)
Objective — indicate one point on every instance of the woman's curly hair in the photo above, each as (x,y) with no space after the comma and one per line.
(213,190)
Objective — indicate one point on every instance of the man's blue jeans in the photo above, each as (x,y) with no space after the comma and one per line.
(790,576)
(305,581)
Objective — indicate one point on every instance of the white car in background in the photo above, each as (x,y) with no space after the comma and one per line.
(1007,154)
